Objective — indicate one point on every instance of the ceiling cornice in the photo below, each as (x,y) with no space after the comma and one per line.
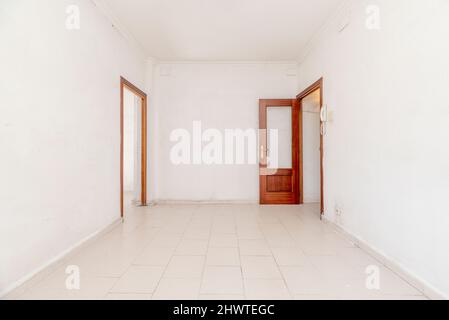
(124,32)
(319,34)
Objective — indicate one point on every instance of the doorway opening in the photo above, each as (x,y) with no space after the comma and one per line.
(311,149)
(133,146)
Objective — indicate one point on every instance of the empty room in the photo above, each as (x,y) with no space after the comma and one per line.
(193,150)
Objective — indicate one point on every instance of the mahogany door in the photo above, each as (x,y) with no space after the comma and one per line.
(279,151)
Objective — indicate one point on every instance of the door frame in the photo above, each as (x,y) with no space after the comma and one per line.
(281,198)
(143,172)
(315,86)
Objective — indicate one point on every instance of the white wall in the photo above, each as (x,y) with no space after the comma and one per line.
(386,154)
(152,127)
(59,129)
(311,147)
(222,96)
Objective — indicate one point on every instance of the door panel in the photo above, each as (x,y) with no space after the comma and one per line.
(281,182)
(279,157)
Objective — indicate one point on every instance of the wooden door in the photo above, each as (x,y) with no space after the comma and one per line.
(279,151)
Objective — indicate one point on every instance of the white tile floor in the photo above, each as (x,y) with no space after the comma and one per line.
(220,252)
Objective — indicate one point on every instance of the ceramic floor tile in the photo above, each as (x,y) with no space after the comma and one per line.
(197,232)
(153,256)
(223,241)
(177,289)
(389,284)
(185,267)
(220,252)
(165,241)
(223,257)
(266,289)
(281,241)
(289,257)
(54,288)
(308,281)
(260,268)
(316,297)
(222,280)
(318,248)
(102,263)
(397,298)
(356,256)
(337,267)
(223,228)
(249,233)
(192,247)
(127,296)
(220,297)
(250,247)
(138,279)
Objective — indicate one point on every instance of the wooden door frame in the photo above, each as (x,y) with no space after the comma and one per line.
(144,100)
(315,86)
(284,197)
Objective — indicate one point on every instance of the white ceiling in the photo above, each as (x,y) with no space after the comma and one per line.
(222,30)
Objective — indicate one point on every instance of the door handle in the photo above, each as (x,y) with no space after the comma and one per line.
(323,129)
(264,151)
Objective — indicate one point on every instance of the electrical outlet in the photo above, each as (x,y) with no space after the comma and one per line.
(338,214)
(338,210)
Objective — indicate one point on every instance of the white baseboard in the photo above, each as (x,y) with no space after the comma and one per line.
(199,202)
(308,200)
(44,270)
(420,284)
